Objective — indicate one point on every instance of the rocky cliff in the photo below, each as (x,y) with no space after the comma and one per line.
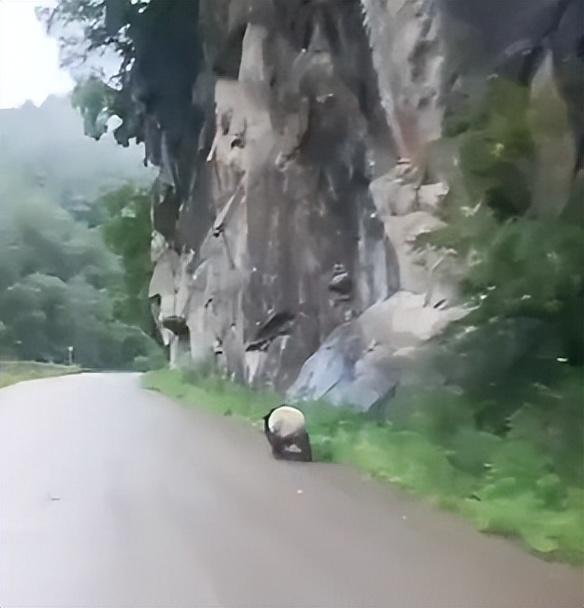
(305,145)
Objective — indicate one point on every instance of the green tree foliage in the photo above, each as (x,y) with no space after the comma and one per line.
(57,281)
(127,232)
(526,270)
(524,273)
(60,285)
(94,99)
(155,47)
(497,151)
(517,358)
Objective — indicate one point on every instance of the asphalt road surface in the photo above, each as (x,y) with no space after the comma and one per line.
(113,497)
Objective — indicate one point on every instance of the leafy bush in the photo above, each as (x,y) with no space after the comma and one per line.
(511,416)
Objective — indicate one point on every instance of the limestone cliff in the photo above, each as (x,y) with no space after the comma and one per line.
(303,148)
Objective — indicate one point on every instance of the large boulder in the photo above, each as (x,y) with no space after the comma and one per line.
(363,361)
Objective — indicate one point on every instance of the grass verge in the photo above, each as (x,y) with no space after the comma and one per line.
(503,485)
(12,372)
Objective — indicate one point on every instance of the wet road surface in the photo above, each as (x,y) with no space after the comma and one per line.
(113,497)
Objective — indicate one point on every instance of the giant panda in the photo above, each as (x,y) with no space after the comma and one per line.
(285,429)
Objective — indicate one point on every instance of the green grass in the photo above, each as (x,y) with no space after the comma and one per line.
(507,486)
(12,372)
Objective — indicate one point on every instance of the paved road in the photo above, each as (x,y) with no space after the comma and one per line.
(111,497)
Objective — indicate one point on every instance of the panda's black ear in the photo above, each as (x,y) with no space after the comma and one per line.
(269,413)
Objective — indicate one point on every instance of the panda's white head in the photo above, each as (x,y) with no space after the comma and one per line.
(284,421)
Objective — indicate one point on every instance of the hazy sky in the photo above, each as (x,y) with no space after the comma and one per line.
(29,63)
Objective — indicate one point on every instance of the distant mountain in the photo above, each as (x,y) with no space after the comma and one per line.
(44,149)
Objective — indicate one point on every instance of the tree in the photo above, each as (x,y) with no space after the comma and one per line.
(60,285)
(127,232)
(155,44)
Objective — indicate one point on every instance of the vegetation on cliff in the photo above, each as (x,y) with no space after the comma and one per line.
(515,364)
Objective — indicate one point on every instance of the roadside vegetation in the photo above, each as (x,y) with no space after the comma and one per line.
(519,485)
(12,372)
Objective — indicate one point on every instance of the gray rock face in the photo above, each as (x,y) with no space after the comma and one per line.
(364,361)
(288,216)
(281,200)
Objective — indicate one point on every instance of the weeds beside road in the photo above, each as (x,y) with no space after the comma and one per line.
(504,485)
(12,372)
